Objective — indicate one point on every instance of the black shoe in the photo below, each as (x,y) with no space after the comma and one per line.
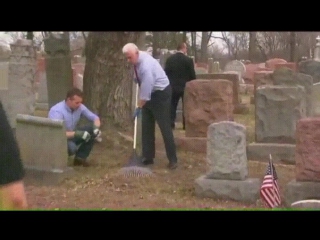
(147,161)
(80,162)
(172,165)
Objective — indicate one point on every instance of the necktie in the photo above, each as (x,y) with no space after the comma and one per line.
(135,70)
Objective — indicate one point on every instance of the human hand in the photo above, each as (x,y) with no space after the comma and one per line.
(96,132)
(137,112)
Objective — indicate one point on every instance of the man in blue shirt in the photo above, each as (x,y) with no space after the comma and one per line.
(80,140)
(154,102)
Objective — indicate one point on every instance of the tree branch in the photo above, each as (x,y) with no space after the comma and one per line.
(209,36)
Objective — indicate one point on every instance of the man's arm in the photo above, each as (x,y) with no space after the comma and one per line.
(147,82)
(56,115)
(12,192)
(91,116)
(167,67)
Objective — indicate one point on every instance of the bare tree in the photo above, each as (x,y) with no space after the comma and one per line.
(252,45)
(107,83)
(194,45)
(292,46)
(204,46)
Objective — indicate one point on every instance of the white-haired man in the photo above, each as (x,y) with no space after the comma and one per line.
(154,103)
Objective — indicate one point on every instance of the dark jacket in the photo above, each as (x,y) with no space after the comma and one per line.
(11,167)
(180,70)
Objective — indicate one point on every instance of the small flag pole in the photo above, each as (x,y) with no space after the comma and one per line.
(271,171)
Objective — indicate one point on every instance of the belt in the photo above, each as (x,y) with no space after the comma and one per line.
(159,88)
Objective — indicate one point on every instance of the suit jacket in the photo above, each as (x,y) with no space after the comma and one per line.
(180,70)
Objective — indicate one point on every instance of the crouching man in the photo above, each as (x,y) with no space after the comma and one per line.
(80,139)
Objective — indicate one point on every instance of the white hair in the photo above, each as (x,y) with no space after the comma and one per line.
(129,47)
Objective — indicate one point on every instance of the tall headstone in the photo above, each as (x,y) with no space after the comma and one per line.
(316,56)
(58,68)
(210,65)
(216,67)
(21,97)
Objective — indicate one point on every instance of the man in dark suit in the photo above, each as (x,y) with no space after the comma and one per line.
(180,70)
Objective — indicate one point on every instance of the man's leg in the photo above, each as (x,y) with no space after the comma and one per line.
(174,104)
(161,111)
(72,147)
(148,135)
(84,148)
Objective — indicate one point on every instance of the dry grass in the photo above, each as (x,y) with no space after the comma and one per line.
(100,186)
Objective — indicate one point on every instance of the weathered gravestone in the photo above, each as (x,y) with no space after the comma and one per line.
(43,146)
(278,109)
(58,68)
(260,78)
(236,66)
(210,65)
(312,66)
(21,93)
(234,78)
(287,77)
(306,184)
(42,99)
(205,102)
(227,175)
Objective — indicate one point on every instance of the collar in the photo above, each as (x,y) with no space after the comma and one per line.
(140,57)
(180,52)
(67,107)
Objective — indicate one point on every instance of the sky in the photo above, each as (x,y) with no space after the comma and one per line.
(216,41)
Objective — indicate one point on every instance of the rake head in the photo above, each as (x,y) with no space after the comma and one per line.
(136,171)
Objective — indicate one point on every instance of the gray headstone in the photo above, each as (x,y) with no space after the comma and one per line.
(285,76)
(237,66)
(21,80)
(312,68)
(43,146)
(226,151)
(58,68)
(278,108)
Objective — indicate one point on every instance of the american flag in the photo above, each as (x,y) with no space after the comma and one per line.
(269,190)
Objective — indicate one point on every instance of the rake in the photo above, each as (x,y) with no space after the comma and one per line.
(135,167)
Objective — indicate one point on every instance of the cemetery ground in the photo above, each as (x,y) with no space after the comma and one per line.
(100,186)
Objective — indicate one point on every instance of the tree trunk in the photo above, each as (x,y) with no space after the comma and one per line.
(204,47)
(193,45)
(155,44)
(292,46)
(184,36)
(252,45)
(107,80)
(30,35)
